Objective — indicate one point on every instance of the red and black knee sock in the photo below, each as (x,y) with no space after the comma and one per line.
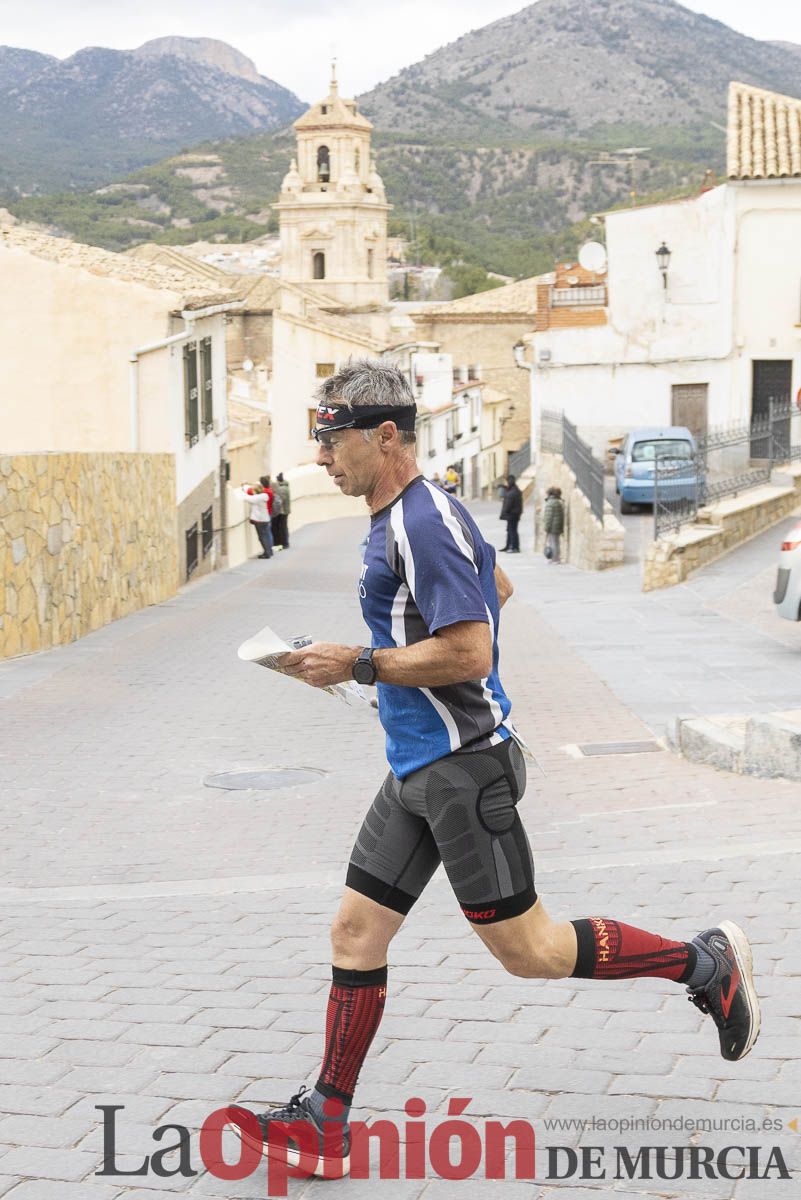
(355,1006)
(611,950)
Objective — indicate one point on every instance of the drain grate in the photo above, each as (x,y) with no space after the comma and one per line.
(591,749)
(268,780)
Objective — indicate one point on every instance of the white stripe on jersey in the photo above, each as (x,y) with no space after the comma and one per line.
(456,531)
(398,609)
(402,542)
(450,522)
(399,626)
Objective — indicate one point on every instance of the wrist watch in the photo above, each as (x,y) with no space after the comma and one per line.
(364,670)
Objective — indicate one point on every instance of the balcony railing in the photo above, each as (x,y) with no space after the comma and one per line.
(577,297)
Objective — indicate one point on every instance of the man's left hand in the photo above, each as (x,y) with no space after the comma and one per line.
(322,663)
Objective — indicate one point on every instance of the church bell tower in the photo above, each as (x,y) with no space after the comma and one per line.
(333,209)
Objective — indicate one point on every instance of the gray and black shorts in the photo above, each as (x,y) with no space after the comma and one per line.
(461,811)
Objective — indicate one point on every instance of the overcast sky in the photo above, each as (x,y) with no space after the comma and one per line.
(292,41)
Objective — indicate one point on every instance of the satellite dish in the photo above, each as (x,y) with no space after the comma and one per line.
(592,257)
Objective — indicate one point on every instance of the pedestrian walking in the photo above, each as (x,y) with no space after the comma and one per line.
(256,496)
(553,523)
(511,512)
(281,519)
(431,595)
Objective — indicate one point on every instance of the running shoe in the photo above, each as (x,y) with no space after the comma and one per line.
(333,1146)
(729,997)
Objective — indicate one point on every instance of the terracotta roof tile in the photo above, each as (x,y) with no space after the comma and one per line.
(763,135)
(519,297)
(194,292)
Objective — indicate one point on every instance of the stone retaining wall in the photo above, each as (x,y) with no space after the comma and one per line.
(587,542)
(719,529)
(87,538)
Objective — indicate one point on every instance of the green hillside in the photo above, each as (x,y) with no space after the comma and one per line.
(505,208)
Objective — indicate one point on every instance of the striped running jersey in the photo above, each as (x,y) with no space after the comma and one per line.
(427,566)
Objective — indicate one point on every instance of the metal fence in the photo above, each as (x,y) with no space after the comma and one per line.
(518,460)
(729,459)
(677,492)
(559,436)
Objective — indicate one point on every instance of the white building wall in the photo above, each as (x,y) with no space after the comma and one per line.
(733,295)
(692,316)
(65,339)
(195,463)
(768,281)
(297,349)
(432,376)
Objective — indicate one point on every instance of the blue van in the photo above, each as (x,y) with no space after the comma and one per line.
(673,445)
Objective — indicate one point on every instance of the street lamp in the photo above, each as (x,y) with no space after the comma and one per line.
(663,259)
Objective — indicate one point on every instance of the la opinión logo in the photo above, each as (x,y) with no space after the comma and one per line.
(454,1148)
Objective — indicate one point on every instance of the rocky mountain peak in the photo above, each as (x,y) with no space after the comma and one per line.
(213,53)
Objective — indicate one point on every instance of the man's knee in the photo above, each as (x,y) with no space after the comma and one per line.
(353,934)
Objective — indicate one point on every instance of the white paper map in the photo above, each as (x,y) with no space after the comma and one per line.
(268,649)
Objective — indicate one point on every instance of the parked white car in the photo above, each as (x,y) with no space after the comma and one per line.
(787,596)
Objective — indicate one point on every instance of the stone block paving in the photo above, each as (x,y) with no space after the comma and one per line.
(164,944)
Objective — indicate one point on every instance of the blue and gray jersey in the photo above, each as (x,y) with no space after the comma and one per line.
(427,566)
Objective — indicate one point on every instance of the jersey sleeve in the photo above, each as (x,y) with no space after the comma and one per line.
(434,552)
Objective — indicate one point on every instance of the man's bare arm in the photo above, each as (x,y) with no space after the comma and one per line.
(504,585)
(454,654)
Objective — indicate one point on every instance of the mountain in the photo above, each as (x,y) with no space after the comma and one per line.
(493,150)
(218,55)
(567,68)
(101,113)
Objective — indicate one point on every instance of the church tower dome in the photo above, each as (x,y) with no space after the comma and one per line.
(333,210)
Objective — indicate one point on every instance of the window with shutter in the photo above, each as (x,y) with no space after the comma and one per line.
(207,530)
(191,415)
(206,385)
(191,550)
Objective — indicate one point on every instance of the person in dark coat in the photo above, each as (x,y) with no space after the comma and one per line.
(511,512)
(281,518)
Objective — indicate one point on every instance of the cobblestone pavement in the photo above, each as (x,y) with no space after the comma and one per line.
(164,944)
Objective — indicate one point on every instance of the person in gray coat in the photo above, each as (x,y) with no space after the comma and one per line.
(554,523)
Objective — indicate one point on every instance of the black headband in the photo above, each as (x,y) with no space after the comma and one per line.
(331,417)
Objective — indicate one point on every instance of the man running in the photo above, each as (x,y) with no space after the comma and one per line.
(431,595)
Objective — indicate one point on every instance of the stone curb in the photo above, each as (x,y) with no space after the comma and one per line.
(767,745)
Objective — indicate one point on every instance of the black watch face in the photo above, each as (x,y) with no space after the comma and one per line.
(363,671)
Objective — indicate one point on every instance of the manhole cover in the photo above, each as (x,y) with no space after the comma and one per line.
(589,749)
(267,780)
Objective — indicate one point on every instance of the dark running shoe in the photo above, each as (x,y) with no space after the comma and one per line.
(729,997)
(332,1148)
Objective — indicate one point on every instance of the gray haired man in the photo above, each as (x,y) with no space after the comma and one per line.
(431,595)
